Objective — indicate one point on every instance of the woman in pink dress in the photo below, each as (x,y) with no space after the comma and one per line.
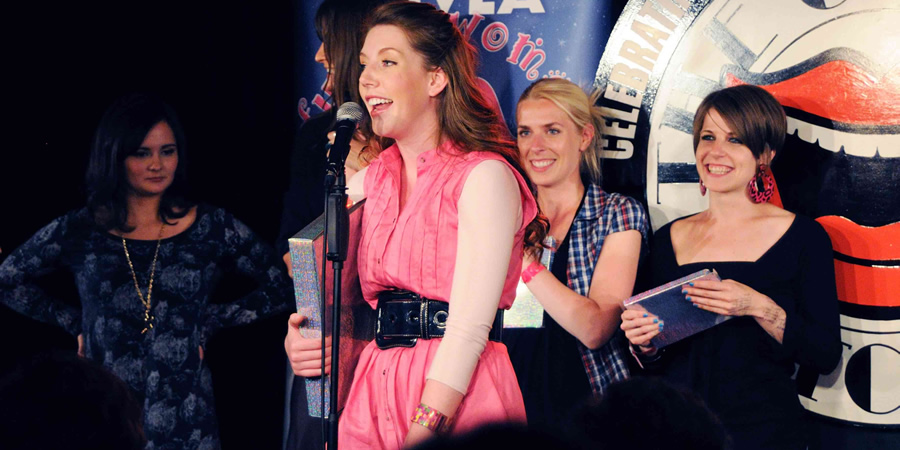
(448,214)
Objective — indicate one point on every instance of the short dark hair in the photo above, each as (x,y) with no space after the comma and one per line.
(499,435)
(752,114)
(643,413)
(120,133)
(58,400)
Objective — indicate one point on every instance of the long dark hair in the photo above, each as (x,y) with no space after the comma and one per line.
(120,133)
(466,117)
(339,26)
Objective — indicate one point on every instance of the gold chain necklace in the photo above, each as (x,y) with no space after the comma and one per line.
(148,319)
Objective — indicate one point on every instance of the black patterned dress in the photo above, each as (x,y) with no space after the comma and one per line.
(162,366)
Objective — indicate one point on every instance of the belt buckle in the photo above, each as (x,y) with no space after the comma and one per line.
(435,320)
(383,342)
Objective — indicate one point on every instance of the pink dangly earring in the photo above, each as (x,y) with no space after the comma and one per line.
(762,186)
(702,189)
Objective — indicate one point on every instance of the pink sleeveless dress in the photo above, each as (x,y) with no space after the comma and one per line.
(416,250)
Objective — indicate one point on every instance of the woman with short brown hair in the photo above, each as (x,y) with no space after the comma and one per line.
(778,280)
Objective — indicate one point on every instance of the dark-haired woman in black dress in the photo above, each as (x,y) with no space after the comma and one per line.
(778,280)
(145,260)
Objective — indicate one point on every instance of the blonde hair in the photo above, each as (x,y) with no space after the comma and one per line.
(581,109)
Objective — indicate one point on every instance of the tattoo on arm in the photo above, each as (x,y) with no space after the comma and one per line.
(775,316)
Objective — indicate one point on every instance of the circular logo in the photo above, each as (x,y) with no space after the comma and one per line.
(834,67)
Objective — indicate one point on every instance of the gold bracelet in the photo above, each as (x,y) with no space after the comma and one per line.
(431,418)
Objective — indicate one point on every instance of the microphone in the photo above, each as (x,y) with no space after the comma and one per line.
(348,117)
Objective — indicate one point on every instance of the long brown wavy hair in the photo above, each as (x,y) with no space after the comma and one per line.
(466,117)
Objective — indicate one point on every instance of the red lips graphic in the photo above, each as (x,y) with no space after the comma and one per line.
(840,91)
(866,261)
(849,97)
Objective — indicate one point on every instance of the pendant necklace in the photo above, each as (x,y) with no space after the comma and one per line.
(148,319)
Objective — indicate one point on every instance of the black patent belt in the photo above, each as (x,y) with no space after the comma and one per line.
(402,317)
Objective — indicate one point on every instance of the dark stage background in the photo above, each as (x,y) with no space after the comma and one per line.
(228,69)
(234,72)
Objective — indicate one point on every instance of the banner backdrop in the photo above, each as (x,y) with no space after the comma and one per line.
(519,41)
(835,67)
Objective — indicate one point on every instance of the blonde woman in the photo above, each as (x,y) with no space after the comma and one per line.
(601,236)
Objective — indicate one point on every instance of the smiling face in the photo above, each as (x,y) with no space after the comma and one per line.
(724,163)
(400,93)
(151,168)
(550,143)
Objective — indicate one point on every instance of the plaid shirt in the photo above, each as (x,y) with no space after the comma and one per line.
(601,214)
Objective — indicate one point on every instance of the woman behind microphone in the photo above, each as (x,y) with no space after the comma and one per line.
(778,280)
(339,26)
(600,238)
(447,215)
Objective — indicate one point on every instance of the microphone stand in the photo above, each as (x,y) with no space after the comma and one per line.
(337,238)
(337,235)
